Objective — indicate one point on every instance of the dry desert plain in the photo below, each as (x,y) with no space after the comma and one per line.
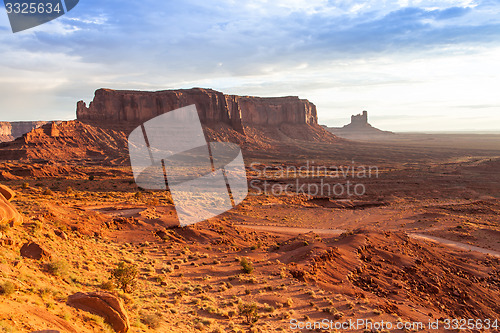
(422,242)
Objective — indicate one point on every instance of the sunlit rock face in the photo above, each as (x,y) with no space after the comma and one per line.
(132,108)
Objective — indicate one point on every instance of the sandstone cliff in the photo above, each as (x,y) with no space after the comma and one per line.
(269,125)
(6,132)
(13,130)
(131,108)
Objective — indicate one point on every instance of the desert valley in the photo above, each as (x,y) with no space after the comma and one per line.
(339,226)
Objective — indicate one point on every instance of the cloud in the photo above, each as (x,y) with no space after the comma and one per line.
(247,36)
(341,54)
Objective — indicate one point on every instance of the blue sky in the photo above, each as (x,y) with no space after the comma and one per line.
(428,65)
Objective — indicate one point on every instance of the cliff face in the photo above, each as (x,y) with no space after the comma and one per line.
(13,130)
(132,108)
(5,132)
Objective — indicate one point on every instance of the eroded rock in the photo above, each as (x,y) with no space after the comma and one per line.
(104,305)
(32,250)
(8,213)
(132,108)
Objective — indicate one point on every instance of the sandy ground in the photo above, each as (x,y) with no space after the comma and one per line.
(421,244)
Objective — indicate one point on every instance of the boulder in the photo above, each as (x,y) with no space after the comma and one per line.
(8,213)
(104,305)
(7,193)
(32,250)
(61,234)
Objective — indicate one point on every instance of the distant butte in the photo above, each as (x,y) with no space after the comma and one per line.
(359,127)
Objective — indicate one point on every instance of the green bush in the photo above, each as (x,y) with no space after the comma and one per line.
(246,265)
(125,276)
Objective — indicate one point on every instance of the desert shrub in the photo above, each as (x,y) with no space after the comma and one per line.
(256,246)
(91,177)
(246,265)
(4,227)
(57,267)
(26,186)
(138,195)
(108,285)
(125,276)
(7,288)
(249,311)
(47,191)
(288,303)
(268,308)
(153,202)
(153,320)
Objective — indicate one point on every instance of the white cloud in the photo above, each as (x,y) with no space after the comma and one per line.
(343,55)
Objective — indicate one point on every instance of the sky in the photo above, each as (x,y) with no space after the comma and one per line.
(414,65)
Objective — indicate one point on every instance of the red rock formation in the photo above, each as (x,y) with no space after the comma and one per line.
(105,305)
(68,140)
(132,108)
(8,213)
(12,130)
(6,132)
(34,251)
(100,133)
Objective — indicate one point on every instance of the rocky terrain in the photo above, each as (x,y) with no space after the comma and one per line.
(83,249)
(13,130)
(309,258)
(67,141)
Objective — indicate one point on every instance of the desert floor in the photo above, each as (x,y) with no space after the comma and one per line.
(422,243)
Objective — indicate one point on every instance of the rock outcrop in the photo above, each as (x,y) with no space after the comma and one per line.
(6,132)
(359,128)
(101,130)
(13,130)
(131,108)
(32,250)
(359,121)
(104,305)
(8,213)
(64,141)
